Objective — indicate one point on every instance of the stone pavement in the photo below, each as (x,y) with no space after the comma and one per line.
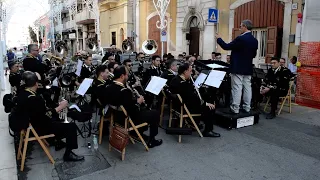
(8,166)
(285,148)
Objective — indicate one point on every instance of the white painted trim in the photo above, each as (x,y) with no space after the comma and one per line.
(155,13)
(286,23)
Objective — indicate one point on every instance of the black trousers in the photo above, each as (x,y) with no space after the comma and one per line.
(56,94)
(61,130)
(274,98)
(207,115)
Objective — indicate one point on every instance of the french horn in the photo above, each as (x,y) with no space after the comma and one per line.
(149,46)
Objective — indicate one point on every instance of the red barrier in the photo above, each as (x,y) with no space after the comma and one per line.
(308,81)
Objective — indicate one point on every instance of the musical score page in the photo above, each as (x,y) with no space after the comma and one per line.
(200,80)
(215,66)
(84,86)
(156,84)
(79,67)
(215,78)
(55,82)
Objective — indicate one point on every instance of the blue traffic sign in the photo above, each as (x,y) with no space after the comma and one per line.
(213,15)
(164,33)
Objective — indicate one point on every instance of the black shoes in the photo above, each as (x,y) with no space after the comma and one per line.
(211,134)
(271,116)
(153,143)
(72,157)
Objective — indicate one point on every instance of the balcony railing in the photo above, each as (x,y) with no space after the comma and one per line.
(69,25)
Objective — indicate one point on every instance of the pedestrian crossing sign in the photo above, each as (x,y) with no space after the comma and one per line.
(213,15)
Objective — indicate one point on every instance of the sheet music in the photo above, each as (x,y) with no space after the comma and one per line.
(200,80)
(215,66)
(74,106)
(106,109)
(79,67)
(215,78)
(55,82)
(84,86)
(156,84)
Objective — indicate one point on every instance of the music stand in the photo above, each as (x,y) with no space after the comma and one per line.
(258,73)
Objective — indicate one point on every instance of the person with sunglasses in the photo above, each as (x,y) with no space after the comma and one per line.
(31,61)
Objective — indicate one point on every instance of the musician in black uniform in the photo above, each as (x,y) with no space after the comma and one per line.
(171,70)
(111,67)
(99,85)
(153,70)
(182,85)
(276,85)
(31,62)
(15,76)
(46,120)
(120,95)
(86,70)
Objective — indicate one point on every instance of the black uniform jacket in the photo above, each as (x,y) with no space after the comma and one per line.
(169,75)
(33,107)
(15,80)
(179,85)
(279,79)
(152,71)
(86,72)
(118,95)
(31,63)
(99,91)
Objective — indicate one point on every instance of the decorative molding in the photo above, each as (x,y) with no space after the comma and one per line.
(188,18)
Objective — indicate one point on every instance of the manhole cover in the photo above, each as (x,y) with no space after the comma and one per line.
(91,164)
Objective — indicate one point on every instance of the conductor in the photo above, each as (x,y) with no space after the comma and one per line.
(243,50)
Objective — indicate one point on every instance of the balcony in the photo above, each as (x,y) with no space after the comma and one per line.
(85,17)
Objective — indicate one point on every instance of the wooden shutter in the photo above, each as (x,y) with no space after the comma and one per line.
(272,37)
(235,33)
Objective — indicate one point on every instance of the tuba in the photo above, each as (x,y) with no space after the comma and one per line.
(91,45)
(127,46)
(149,46)
(61,48)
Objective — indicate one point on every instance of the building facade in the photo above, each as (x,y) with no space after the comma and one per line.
(274,24)
(44,30)
(194,34)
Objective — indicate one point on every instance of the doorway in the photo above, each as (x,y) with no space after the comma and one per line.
(261,35)
(195,36)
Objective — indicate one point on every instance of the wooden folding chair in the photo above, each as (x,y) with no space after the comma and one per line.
(25,138)
(128,128)
(102,120)
(183,108)
(162,107)
(283,100)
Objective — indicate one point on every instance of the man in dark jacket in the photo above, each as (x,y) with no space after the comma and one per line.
(244,49)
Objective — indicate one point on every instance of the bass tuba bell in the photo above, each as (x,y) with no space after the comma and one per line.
(61,48)
(127,46)
(149,46)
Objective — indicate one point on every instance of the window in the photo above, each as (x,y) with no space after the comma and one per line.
(113,38)
(261,36)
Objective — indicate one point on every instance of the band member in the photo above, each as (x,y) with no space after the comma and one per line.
(15,76)
(32,106)
(180,57)
(133,80)
(153,70)
(228,59)
(120,95)
(191,61)
(31,62)
(111,67)
(182,85)
(171,71)
(141,57)
(99,84)
(213,56)
(277,85)
(86,70)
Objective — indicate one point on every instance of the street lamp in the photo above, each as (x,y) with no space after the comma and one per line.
(93,7)
(161,7)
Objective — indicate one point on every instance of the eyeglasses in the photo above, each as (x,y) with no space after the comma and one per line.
(35,50)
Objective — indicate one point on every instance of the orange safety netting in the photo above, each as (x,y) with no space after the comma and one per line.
(308,81)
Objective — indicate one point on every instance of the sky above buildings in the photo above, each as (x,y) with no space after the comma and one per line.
(24,14)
